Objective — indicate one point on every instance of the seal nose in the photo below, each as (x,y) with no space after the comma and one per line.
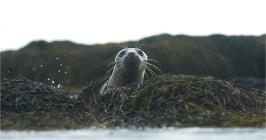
(131,55)
(131,59)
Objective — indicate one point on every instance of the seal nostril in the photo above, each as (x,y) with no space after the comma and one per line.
(131,53)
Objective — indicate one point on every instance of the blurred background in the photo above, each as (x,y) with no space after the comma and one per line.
(66,44)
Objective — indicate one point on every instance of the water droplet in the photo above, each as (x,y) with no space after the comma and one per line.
(52,82)
(65,72)
(41,65)
(61,65)
(59,70)
(58,86)
(57,58)
(48,79)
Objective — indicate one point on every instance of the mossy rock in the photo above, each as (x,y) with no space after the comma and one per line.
(167,100)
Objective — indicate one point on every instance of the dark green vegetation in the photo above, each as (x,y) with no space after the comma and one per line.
(220,56)
(168,100)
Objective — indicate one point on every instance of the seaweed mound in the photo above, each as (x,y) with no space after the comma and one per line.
(23,95)
(180,99)
(167,100)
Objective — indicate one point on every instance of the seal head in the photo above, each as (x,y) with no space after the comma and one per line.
(129,67)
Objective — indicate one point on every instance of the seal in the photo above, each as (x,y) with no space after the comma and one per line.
(129,67)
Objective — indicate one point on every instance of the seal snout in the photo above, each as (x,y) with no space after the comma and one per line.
(132,59)
(131,54)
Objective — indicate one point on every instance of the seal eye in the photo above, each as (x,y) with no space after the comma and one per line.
(140,52)
(122,54)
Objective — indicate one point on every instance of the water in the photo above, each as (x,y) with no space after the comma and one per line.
(143,134)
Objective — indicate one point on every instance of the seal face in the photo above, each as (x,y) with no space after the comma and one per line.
(129,67)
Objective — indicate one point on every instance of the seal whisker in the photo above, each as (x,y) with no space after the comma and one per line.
(122,45)
(109,71)
(113,63)
(137,44)
(124,70)
(148,70)
(153,66)
(142,67)
(152,72)
(145,74)
(120,71)
(152,60)
(111,68)
(125,45)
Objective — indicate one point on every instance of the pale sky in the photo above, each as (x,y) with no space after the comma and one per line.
(102,21)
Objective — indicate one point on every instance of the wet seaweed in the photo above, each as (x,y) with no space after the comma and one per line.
(166,100)
(23,95)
